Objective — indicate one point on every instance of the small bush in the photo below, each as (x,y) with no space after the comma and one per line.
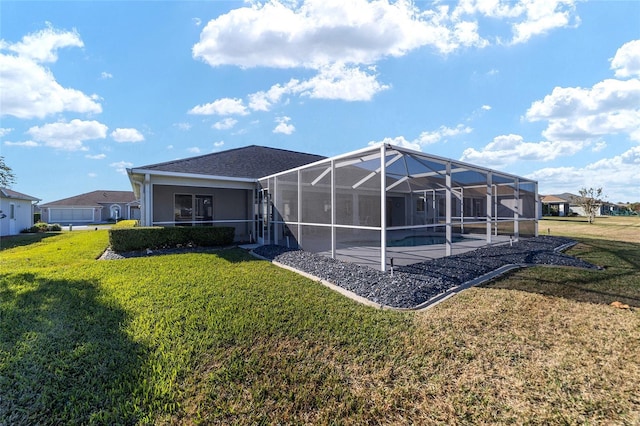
(42,227)
(126,224)
(129,239)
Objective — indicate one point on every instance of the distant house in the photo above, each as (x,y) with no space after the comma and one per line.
(553,205)
(566,204)
(92,207)
(16,211)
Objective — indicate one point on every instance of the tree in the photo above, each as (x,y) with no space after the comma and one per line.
(6,174)
(589,200)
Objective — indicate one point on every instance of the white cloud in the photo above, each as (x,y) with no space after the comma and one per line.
(225,124)
(218,144)
(106,75)
(400,141)
(543,16)
(626,62)
(96,157)
(336,82)
(197,21)
(4,131)
(68,136)
(599,146)
(92,175)
(508,149)
(426,137)
(28,89)
(526,18)
(283,126)
(183,126)
(609,107)
(341,82)
(121,166)
(224,106)
(194,150)
(618,176)
(127,135)
(42,46)
(318,33)
(262,101)
(26,144)
(486,107)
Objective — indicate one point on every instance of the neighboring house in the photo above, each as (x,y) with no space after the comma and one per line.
(374,198)
(556,205)
(553,205)
(16,211)
(92,207)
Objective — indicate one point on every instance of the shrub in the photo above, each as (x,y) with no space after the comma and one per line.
(126,224)
(128,239)
(42,227)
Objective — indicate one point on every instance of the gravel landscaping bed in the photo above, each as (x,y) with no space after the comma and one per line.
(412,285)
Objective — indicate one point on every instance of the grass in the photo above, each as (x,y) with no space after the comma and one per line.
(223,338)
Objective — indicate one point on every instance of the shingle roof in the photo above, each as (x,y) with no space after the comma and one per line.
(552,199)
(251,162)
(95,198)
(9,193)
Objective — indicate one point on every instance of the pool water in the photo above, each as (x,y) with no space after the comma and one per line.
(422,240)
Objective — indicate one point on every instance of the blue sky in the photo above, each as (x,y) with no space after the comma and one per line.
(547,89)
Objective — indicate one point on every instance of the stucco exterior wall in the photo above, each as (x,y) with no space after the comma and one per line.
(22,216)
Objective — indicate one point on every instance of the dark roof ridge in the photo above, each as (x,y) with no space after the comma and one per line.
(195,157)
(247,162)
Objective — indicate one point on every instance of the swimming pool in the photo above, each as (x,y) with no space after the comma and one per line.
(423,240)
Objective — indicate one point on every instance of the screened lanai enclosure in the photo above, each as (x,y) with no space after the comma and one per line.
(387,205)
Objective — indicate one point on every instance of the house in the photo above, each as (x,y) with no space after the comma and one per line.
(553,205)
(16,211)
(214,189)
(566,204)
(368,206)
(92,207)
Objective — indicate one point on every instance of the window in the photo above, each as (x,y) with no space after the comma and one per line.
(193,208)
(183,208)
(204,207)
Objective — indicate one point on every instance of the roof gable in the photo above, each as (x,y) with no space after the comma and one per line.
(251,162)
(9,193)
(95,198)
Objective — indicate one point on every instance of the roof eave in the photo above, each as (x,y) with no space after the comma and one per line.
(187,175)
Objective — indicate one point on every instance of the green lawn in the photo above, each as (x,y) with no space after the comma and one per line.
(224,338)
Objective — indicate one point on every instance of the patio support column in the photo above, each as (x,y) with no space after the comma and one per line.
(448,203)
(333,209)
(254,213)
(299,210)
(272,205)
(537,211)
(383,208)
(495,207)
(148,199)
(516,210)
(489,200)
(462,209)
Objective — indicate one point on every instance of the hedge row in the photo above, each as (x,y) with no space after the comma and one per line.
(129,239)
